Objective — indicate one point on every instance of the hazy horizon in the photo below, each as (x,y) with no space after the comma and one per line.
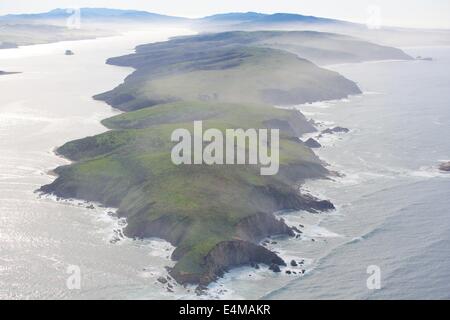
(402,13)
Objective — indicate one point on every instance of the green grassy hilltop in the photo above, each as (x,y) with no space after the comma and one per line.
(195,207)
(230,67)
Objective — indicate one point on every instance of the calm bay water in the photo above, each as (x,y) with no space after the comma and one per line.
(393,204)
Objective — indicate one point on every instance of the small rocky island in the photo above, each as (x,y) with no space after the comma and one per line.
(312,143)
(69,53)
(445,166)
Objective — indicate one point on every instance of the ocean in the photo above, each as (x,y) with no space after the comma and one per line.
(393,205)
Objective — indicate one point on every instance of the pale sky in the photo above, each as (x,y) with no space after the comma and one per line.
(407,13)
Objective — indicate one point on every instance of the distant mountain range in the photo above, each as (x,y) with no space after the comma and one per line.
(117,15)
(253,21)
(261,18)
(104,18)
(90,14)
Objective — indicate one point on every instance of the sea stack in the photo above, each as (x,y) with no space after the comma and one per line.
(445,166)
(312,143)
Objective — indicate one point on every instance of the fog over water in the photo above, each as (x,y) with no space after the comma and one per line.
(393,204)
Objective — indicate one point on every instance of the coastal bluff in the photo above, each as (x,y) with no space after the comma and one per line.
(215,216)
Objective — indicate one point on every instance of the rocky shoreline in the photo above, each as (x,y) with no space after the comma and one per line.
(244,250)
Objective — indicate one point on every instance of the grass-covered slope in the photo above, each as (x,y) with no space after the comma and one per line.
(227,67)
(214,215)
(328,48)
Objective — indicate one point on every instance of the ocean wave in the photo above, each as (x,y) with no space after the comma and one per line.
(113,225)
(429,172)
(316,231)
(371,93)
(425,172)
